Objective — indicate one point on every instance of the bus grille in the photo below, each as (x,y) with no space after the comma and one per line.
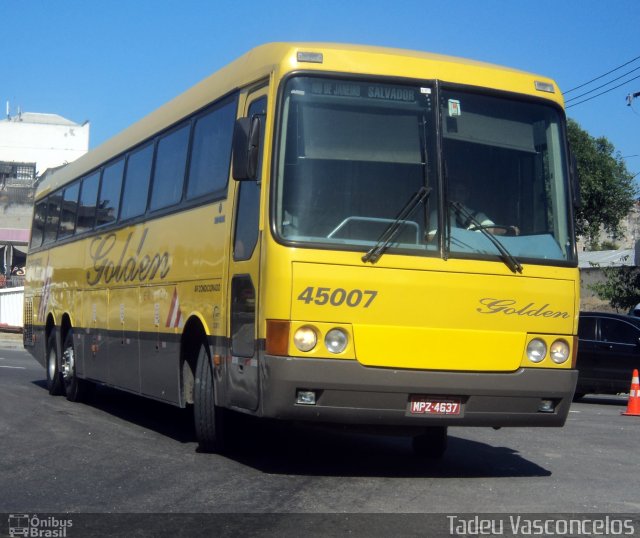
(27,333)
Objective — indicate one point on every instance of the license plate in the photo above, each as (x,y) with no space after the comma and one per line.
(426,405)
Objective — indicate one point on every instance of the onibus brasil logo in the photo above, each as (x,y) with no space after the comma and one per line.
(38,526)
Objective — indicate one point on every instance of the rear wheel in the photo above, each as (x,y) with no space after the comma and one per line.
(54,377)
(208,417)
(76,389)
(432,443)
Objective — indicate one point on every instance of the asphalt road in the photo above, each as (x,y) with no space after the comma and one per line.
(122,454)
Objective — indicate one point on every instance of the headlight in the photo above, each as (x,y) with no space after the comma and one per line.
(536,350)
(305,338)
(336,340)
(559,351)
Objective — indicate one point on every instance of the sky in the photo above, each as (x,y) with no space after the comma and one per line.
(113,61)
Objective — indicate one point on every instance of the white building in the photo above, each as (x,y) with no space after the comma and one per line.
(48,140)
(30,143)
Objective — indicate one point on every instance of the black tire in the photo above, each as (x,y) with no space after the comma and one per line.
(209,419)
(55,385)
(578,396)
(77,390)
(432,443)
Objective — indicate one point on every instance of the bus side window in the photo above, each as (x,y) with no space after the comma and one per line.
(171,162)
(110,193)
(211,151)
(88,200)
(136,183)
(53,217)
(37,229)
(69,210)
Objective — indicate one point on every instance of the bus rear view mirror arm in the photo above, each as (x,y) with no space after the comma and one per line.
(246,148)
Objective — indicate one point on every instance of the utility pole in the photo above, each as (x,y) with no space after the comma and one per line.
(631,97)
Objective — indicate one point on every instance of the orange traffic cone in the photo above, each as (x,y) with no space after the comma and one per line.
(633,407)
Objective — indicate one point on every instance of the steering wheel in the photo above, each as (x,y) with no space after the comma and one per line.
(496,229)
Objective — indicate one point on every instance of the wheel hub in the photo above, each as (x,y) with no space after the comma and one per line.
(67,363)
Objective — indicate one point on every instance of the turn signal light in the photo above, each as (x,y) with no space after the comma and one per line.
(277,337)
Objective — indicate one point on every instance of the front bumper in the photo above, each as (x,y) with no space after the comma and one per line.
(350,393)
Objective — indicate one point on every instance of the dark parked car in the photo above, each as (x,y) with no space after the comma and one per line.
(608,352)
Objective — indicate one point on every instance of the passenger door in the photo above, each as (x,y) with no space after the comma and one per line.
(244,271)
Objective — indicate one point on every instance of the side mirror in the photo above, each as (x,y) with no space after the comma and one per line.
(246,148)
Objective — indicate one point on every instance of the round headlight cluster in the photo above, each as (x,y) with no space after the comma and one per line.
(306,339)
(559,351)
(336,341)
(537,351)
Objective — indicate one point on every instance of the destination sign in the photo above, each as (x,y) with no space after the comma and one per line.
(380,92)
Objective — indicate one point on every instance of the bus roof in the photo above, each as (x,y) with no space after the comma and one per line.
(280,58)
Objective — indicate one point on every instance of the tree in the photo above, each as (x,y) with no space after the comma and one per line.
(621,287)
(607,188)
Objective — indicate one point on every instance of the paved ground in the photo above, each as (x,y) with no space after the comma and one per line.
(120,454)
(10,340)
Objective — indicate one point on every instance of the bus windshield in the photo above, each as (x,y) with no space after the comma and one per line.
(352,153)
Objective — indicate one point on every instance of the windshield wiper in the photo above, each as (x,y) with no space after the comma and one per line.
(389,234)
(508,258)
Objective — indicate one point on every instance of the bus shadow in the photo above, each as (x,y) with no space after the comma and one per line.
(275,447)
(296,449)
(168,420)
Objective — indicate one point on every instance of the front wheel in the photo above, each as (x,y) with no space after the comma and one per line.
(76,389)
(208,417)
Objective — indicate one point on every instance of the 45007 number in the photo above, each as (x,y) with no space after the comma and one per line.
(337,296)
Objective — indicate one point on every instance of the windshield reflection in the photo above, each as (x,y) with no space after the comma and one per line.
(352,153)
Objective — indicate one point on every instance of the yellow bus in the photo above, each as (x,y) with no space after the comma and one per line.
(320,232)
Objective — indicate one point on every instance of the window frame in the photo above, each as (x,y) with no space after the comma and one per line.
(183,125)
(69,186)
(136,151)
(42,202)
(50,201)
(112,163)
(230,98)
(438,85)
(232,101)
(85,178)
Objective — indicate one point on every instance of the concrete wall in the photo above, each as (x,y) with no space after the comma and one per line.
(589,301)
(11,309)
